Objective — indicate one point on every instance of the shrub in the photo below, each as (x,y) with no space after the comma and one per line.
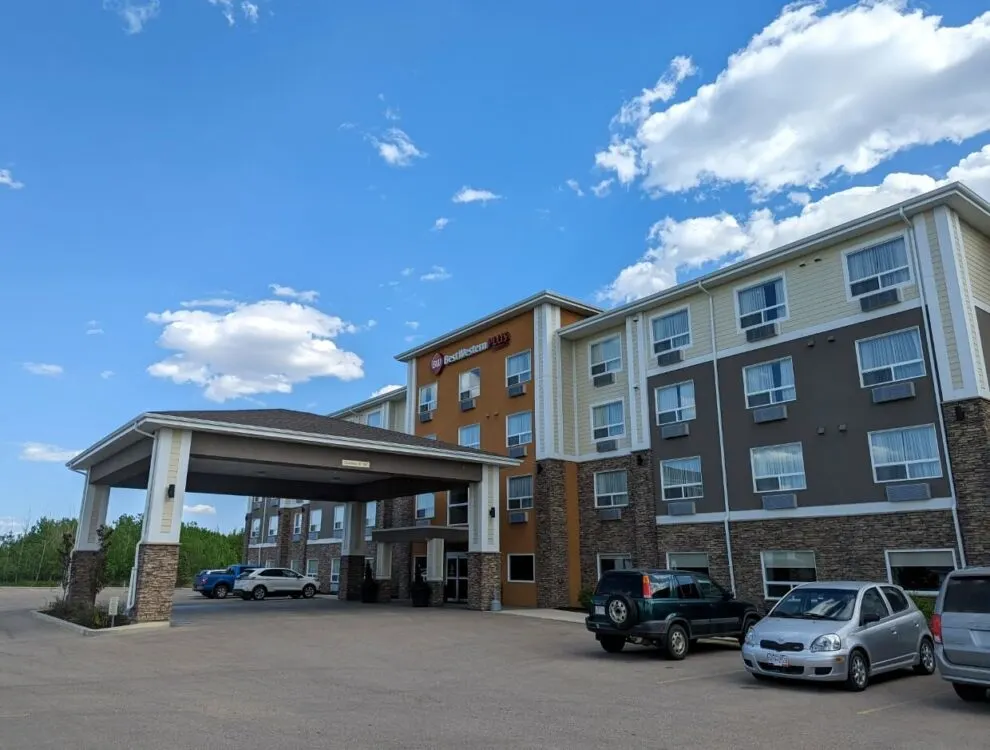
(584,598)
(926,604)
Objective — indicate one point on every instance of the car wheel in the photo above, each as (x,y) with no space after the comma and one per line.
(309,591)
(676,642)
(748,622)
(220,591)
(613,643)
(857,672)
(259,593)
(970,693)
(621,611)
(926,658)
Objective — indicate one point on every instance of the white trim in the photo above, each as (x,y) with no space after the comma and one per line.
(902,234)
(890,577)
(793,387)
(792,584)
(630,415)
(380,411)
(652,369)
(433,509)
(609,402)
(542,382)
(460,393)
(518,354)
(751,284)
(323,540)
(585,457)
(557,357)
(419,398)
(921,346)
(412,407)
(656,402)
(815,511)
(981,305)
(937,459)
(508,566)
(611,556)
(261,545)
(644,401)
(614,335)
(574,396)
(667,313)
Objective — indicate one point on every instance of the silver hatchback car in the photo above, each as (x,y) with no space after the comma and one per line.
(840,632)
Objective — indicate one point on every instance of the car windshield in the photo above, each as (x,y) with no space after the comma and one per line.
(817,604)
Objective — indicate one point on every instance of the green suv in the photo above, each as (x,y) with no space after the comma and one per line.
(669,609)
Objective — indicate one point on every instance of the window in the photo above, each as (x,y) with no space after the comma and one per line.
(338,520)
(777,468)
(968,594)
(369,562)
(920,571)
(432,436)
(762,303)
(374,419)
(428,398)
(614,562)
(687,587)
(519,428)
(522,568)
(256,528)
(519,493)
(878,267)
(610,489)
(316,521)
(419,567)
(782,571)
(519,368)
(769,383)
(675,403)
(269,562)
(297,522)
(898,602)
(312,567)
(273,526)
(457,507)
(606,356)
(425,505)
(671,331)
(469,384)
(335,570)
(607,421)
(696,562)
(469,436)
(873,604)
(906,453)
(371,514)
(890,358)
(681,478)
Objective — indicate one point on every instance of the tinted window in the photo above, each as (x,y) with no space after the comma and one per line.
(898,602)
(708,589)
(969,594)
(522,568)
(661,587)
(620,583)
(873,604)
(272,573)
(687,588)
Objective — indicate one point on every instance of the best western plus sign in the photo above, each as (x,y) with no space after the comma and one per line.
(441,360)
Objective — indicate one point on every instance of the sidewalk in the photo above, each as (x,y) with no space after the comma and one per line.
(547,614)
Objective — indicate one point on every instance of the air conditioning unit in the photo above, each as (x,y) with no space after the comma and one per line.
(467,404)
(610,514)
(900,493)
(759,333)
(893,392)
(780,501)
(425,416)
(517,451)
(681,508)
(517,389)
(666,359)
(602,380)
(675,430)
(518,516)
(773,413)
(881,299)
(606,446)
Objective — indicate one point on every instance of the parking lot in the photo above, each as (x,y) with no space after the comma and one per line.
(319,673)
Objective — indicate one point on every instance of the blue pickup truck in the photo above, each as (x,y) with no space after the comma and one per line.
(216,584)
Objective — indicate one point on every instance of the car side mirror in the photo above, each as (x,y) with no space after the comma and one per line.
(870,618)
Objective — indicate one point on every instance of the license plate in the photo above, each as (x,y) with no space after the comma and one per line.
(777,660)
(599,610)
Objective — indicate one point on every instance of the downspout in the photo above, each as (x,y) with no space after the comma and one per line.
(721,440)
(936,384)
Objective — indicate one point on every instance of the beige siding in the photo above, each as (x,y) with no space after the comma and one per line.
(969,311)
(700,315)
(568,395)
(555,389)
(397,415)
(587,394)
(168,507)
(955,370)
(634,425)
(977,248)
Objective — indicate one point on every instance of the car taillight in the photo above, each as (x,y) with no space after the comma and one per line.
(647,594)
(936,628)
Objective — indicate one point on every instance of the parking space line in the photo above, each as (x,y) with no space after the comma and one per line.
(697,677)
(868,711)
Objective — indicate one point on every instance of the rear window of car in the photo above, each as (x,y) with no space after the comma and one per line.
(967,594)
(630,584)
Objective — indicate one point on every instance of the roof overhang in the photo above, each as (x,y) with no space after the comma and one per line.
(420,534)
(970,206)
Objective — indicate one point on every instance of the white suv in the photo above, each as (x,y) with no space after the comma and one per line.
(264,582)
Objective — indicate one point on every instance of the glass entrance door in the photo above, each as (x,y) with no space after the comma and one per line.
(456,585)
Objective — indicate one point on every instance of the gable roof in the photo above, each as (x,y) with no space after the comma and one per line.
(369,403)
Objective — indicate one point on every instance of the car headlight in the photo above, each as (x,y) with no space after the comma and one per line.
(750,636)
(830,642)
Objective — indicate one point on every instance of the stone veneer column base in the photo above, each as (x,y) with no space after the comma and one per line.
(157,566)
(384,590)
(484,579)
(83,566)
(436,593)
(550,515)
(401,570)
(967,432)
(351,575)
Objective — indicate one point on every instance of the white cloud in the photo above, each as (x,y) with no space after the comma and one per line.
(603,188)
(637,109)
(134,14)
(391,114)
(678,247)
(437,273)
(573,185)
(211,302)
(200,509)
(386,389)
(410,338)
(396,148)
(107,374)
(440,223)
(414,324)
(407,271)
(93,328)
(39,368)
(473,195)
(812,95)
(11,525)
(287,291)
(248,9)
(6,178)
(46,452)
(256,348)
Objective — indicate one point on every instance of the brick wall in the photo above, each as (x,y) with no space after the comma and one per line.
(296,557)
(550,511)
(967,428)
(324,555)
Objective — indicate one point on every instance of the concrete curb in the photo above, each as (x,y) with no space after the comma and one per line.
(82,630)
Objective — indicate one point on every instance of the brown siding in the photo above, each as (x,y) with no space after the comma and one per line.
(983,323)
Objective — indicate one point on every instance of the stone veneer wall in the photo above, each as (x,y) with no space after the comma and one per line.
(157,567)
(351,575)
(83,566)
(283,543)
(247,537)
(324,554)
(402,513)
(635,533)
(550,516)
(484,578)
(969,455)
(696,537)
(296,557)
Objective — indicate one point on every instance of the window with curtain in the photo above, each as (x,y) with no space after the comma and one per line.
(778,468)
(611,489)
(315,520)
(335,570)
(762,303)
(519,494)
(312,567)
(696,562)
(255,528)
(519,428)
(891,358)
(782,571)
(469,384)
(297,523)
(469,436)
(374,419)
(371,514)
(338,518)
(425,504)
(681,478)
(770,383)
(273,526)
(671,331)
(607,421)
(874,268)
(518,368)
(920,571)
(906,453)
(428,397)
(606,356)
(675,403)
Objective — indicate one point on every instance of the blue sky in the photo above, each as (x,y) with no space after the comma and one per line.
(290,171)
